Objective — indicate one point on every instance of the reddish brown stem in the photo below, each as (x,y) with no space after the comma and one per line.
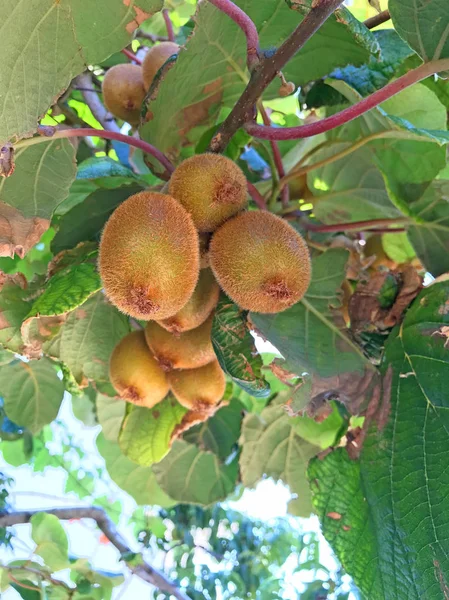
(111,135)
(378,19)
(168,25)
(370,225)
(352,112)
(285,193)
(131,56)
(256,196)
(246,25)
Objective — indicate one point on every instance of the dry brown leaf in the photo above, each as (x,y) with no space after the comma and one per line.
(192,418)
(36,331)
(17,233)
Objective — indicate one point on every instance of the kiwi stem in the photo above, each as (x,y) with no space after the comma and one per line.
(51,133)
(378,225)
(285,193)
(256,196)
(352,112)
(168,25)
(378,19)
(131,56)
(246,25)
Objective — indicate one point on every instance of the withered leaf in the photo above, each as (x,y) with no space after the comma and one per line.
(17,233)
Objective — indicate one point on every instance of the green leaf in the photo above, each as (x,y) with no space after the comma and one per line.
(52,42)
(423,26)
(83,407)
(51,539)
(137,481)
(84,347)
(220,433)
(211,71)
(306,335)
(14,306)
(99,202)
(81,486)
(397,247)
(191,475)
(272,448)
(113,509)
(322,434)
(235,349)
(146,432)
(25,593)
(110,413)
(32,393)
(394,499)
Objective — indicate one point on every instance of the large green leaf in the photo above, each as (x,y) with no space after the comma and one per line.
(137,481)
(272,448)
(191,475)
(395,499)
(307,335)
(423,25)
(32,393)
(51,539)
(84,345)
(146,433)
(235,349)
(220,433)
(14,306)
(110,413)
(46,43)
(211,71)
(42,177)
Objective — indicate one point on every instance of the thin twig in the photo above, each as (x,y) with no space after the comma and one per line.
(256,196)
(91,98)
(41,574)
(352,112)
(51,133)
(246,25)
(150,36)
(285,195)
(131,56)
(378,19)
(21,584)
(370,225)
(268,69)
(168,25)
(139,567)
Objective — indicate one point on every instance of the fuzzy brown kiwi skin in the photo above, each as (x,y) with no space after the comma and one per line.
(260,262)
(202,302)
(123,92)
(198,389)
(189,350)
(149,256)
(211,187)
(135,374)
(155,59)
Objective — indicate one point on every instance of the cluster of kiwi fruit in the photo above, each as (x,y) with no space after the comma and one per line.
(163,259)
(125,85)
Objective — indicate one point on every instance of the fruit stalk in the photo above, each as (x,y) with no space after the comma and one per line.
(131,56)
(53,133)
(256,196)
(370,225)
(268,69)
(168,25)
(352,112)
(246,25)
(285,196)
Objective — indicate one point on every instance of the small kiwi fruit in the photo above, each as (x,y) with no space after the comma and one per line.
(260,261)
(149,256)
(123,92)
(188,350)
(211,187)
(135,374)
(155,58)
(198,389)
(198,308)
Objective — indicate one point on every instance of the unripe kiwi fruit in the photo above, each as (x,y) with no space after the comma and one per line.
(155,58)
(135,374)
(123,92)
(198,308)
(149,256)
(211,187)
(188,350)
(198,389)
(260,261)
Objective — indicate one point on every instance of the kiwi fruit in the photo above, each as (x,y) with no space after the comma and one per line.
(188,350)
(198,308)
(260,261)
(211,187)
(155,58)
(123,92)
(149,256)
(135,374)
(198,389)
